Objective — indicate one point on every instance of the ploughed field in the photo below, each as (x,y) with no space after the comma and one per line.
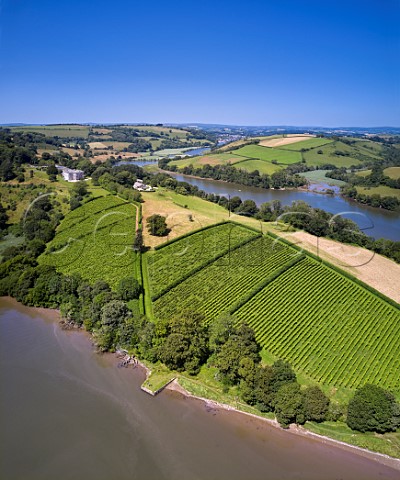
(95,240)
(334,329)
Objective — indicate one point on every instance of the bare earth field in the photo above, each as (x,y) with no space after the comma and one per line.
(279,142)
(373,269)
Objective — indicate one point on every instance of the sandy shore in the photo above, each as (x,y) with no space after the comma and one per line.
(294,429)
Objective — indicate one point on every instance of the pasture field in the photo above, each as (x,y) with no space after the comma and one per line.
(116,145)
(333,330)
(331,154)
(318,176)
(392,172)
(62,131)
(268,154)
(167,131)
(368,147)
(306,143)
(210,159)
(96,240)
(364,173)
(381,190)
(261,165)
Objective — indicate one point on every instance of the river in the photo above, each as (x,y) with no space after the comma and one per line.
(377,223)
(69,414)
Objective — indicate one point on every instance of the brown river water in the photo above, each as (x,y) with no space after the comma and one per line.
(68,413)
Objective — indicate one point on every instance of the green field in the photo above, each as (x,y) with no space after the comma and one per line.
(95,240)
(318,176)
(61,131)
(269,154)
(392,172)
(382,190)
(310,143)
(210,159)
(261,165)
(331,329)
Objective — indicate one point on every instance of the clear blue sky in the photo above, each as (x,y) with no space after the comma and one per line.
(254,62)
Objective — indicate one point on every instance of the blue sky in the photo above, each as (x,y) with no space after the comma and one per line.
(287,62)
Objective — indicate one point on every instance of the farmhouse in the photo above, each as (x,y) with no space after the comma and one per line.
(142,187)
(70,174)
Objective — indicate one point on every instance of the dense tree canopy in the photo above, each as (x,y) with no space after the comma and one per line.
(373,409)
(157,225)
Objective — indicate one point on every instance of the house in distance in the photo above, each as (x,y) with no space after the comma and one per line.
(142,187)
(71,175)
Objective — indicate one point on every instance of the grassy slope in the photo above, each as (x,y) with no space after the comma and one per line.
(382,190)
(269,154)
(178,208)
(261,165)
(318,176)
(211,159)
(57,130)
(392,172)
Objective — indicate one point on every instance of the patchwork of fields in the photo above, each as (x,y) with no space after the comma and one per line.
(335,330)
(96,241)
(277,152)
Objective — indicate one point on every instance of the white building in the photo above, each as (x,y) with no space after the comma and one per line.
(71,175)
(142,187)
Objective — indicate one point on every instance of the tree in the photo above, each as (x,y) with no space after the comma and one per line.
(373,409)
(138,242)
(157,226)
(240,345)
(220,331)
(114,313)
(289,406)
(316,404)
(3,218)
(52,172)
(186,344)
(282,374)
(248,207)
(128,288)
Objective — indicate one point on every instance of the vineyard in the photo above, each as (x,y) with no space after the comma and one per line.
(218,287)
(96,241)
(174,262)
(326,325)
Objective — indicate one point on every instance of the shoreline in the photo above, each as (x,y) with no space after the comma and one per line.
(53,315)
(382,458)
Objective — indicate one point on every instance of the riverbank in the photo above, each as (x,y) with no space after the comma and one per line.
(81,416)
(375,222)
(293,429)
(200,390)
